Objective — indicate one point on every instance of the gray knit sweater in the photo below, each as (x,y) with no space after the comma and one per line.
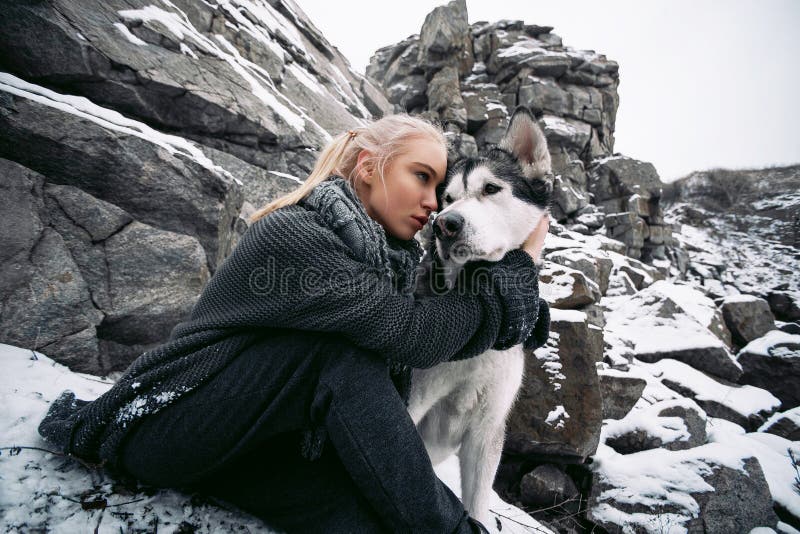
(322,265)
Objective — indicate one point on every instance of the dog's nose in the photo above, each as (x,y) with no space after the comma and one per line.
(448,225)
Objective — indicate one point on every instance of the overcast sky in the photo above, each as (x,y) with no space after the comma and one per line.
(703,83)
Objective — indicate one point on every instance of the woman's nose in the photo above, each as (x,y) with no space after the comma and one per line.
(429,202)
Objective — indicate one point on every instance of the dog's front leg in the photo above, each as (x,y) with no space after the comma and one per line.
(478,459)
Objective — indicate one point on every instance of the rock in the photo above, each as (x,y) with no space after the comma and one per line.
(547,485)
(785,424)
(658,327)
(567,198)
(595,315)
(747,406)
(154,279)
(543,95)
(784,305)
(482,102)
(179,191)
(444,35)
(738,503)
(286,88)
(558,412)
(445,99)
(596,265)
(621,177)
(619,283)
(695,490)
(577,335)
(695,420)
(46,300)
(789,328)
(620,392)
(640,274)
(567,288)
(567,133)
(772,362)
(747,317)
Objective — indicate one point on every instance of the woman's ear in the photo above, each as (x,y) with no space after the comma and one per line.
(365,166)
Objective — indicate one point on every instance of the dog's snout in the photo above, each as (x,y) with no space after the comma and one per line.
(448,226)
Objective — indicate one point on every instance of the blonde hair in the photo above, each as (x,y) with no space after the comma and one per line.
(384,139)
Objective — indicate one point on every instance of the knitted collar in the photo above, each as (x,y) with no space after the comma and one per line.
(340,208)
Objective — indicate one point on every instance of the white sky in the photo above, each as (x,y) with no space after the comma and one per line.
(703,83)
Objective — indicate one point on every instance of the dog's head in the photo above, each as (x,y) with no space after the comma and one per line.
(491,203)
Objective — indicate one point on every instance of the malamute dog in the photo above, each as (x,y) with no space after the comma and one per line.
(489,205)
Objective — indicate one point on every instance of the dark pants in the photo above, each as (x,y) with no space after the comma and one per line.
(237,438)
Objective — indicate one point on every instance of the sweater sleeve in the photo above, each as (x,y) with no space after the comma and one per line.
(289,271)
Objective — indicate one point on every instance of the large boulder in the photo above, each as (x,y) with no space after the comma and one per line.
(697,490)
(596,265)
(671,321)
(567,288)
(85,281)
(558,411)
(444,39)
(257,81)
(772,362)
(620,177)
(747,317)
(620,392)
(747,406)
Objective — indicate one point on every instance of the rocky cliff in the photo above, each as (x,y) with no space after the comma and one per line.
(135,138)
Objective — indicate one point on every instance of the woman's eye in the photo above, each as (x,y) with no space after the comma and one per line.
(490,189)
(424,176)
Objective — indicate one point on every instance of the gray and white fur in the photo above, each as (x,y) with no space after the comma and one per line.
(489,205)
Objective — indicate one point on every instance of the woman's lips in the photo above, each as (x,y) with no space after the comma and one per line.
(420,221)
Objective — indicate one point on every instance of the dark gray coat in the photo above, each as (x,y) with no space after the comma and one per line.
(322,265)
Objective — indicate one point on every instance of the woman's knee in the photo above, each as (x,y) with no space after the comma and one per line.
(349,368)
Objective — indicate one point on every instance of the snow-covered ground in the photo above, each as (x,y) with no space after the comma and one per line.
(46,492)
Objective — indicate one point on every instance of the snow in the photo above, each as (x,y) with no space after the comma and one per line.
(187,51)
(289,176)
(745,400)
(572,316)
(128,35)
(636,320)
(42,491)
(107,118)
(557,416)
(551,361)
(766,345)
(694,302)
(741,298)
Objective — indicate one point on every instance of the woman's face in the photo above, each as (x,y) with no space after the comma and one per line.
(410,194)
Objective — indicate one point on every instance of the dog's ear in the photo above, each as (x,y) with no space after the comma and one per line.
(527,142)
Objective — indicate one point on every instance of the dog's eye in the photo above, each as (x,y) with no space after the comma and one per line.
(448,199)
(490,189)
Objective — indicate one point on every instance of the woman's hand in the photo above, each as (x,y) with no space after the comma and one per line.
(535,241)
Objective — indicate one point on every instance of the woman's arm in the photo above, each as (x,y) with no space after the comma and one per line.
(288,271)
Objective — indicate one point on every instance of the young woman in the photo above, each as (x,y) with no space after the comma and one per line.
(285,390)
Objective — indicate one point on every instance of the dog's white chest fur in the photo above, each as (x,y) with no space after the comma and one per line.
(462,407)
